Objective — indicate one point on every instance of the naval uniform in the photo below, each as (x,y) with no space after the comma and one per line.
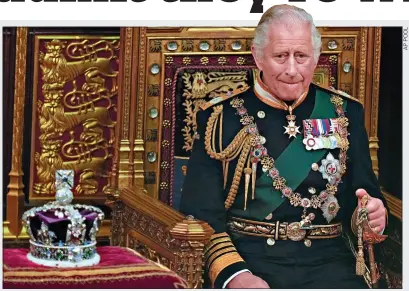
(251,233)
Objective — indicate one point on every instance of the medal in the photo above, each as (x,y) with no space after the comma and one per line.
(330,169)
(321,134)
(330,208)
(291,129)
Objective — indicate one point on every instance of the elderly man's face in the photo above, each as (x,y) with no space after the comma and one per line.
(288,62)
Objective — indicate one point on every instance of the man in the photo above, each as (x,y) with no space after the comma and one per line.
(279,169)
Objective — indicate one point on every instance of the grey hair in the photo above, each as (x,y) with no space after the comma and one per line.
(285,14)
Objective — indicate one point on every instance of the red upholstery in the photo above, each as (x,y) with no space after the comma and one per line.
(118,268)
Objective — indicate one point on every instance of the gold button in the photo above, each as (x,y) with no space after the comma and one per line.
(307,243)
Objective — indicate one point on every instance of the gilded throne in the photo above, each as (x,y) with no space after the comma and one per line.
(127,124)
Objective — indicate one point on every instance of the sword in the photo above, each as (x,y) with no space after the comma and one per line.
(367,236)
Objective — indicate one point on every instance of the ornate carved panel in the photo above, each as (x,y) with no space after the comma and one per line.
(159,232)
(74,112)
(185,88)
(149,253)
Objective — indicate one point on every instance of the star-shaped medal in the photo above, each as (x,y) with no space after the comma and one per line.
(292,129)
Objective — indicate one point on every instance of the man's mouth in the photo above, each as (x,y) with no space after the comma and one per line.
(290,83)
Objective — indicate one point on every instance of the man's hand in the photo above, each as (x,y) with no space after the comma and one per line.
(247,280)
(376,211)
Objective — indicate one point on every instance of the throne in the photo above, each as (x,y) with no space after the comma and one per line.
(121,113)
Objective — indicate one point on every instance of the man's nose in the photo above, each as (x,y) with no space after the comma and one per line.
(291,69)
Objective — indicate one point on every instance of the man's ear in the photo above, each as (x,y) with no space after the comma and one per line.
(257,58)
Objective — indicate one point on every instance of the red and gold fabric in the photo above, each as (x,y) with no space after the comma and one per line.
(119,268)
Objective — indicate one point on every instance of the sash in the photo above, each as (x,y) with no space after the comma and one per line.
(294,165)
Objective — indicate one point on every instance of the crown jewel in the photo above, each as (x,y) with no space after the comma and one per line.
(62,234)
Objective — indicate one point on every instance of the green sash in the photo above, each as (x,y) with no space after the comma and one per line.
(294,165)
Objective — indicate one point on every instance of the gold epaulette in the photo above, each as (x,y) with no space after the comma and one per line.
(223,97)
(337,92)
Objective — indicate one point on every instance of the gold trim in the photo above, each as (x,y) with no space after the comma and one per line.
(139,142)
(141,82)
(15,195)
(362,65)
(375,82)
(34,117)
(216,241)
(76,37)
(394,204)
(210,259)
(130,110)
(216,247)
(125,93)
(204,53)
(127,50)
(204,35)
(219,235)
(90,279)
(374,99)
(223,262)
(83,272)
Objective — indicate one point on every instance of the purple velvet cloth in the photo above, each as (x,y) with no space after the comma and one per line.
(49,216)
(119,268)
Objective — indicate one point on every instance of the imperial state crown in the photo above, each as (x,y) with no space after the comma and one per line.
(63,234)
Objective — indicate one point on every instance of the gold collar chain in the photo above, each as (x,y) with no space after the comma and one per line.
(326,200)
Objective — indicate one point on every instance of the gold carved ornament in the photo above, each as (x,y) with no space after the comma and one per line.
(201,87)
(62,112)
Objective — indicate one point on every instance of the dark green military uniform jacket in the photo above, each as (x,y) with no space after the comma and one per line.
(204,194)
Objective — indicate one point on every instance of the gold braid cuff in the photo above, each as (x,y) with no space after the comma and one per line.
(221,263)
(219,254)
